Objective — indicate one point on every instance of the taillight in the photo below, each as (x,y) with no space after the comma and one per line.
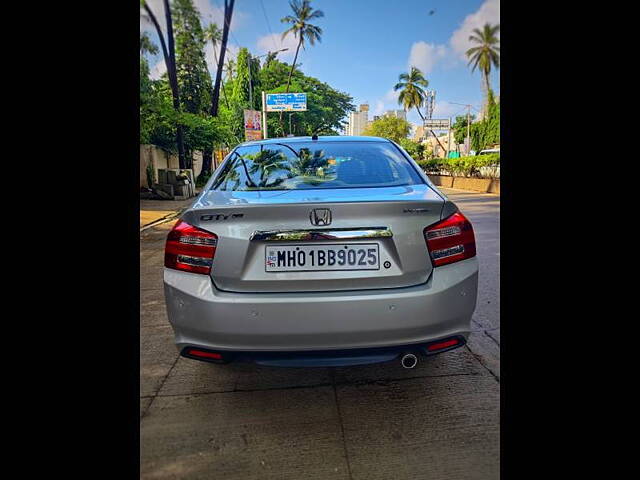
(190,249)
(450,240)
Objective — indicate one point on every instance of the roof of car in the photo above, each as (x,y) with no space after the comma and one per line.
(321,138)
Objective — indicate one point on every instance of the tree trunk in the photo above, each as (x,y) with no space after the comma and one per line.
(293,65)
(184,163)
(485,92)
(170,62)
(228,12)
(224,93)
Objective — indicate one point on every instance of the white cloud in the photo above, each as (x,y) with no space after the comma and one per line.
(489,12)
(424,56)
(392,96)
(274,41)
(212,13)
(208,13)
(445,109)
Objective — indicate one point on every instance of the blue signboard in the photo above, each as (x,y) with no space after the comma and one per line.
(286,102)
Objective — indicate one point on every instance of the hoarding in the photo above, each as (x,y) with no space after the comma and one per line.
(252,125)
(286,102)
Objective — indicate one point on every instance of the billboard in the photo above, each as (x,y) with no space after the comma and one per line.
(286,102)
(252,125)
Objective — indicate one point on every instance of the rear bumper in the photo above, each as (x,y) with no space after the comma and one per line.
(202,316)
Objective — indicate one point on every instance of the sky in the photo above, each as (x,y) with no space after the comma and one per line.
(365,45)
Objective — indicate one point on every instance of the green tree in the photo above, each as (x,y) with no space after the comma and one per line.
(485,54)
(194,79)
(301,28)
(486,133)
(415,149)
(389,127)
(460,128)
(326,106)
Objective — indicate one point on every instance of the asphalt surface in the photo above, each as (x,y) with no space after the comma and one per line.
(439,420)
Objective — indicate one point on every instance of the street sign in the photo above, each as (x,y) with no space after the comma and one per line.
(286,102)
(252,125)
(437,124)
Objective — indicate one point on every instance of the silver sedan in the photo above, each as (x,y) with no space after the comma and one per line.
(320,252)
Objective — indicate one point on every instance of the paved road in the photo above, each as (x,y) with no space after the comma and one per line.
(437,421)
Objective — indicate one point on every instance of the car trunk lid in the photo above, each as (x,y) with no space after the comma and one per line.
(251,225)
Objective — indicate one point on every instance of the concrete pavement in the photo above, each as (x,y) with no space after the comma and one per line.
(439,420)
(154,210)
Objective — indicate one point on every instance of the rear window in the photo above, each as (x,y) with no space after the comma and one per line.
(305,165)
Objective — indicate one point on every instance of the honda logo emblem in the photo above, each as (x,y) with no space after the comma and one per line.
(320,216)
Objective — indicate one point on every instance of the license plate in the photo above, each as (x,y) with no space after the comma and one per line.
(305,258)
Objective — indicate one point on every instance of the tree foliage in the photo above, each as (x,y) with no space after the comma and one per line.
(393,128)
(415,149)
(486,133)
(194,79)
(159,117)
(460,128)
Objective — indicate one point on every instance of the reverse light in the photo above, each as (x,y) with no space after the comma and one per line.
(450,240)
(190,249)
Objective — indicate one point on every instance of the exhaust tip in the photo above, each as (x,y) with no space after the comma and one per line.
(409,360)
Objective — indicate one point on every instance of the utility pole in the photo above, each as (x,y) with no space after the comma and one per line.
(264,115)
(250,82)
(468,128)
(468,141)
(449,146)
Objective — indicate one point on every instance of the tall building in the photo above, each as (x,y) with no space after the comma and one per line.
(396,113)
(358,121)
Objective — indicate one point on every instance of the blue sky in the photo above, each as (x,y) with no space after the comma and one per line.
(366,44)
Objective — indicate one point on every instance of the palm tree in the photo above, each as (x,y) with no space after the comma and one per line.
(485,54)
(301,28)
(412,94)
(411,86)
(146,45)
(231,67)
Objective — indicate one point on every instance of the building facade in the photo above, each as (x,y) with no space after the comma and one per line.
(396,113)
(358,121)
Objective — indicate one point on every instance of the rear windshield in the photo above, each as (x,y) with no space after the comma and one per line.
(305,165)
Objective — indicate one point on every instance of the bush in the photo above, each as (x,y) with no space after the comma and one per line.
(462,166)
(432,165)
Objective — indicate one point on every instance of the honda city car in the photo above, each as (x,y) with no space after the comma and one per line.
(320,251)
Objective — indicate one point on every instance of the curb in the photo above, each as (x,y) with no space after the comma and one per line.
(162,220)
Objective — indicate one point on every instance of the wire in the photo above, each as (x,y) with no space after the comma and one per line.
(268,25)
